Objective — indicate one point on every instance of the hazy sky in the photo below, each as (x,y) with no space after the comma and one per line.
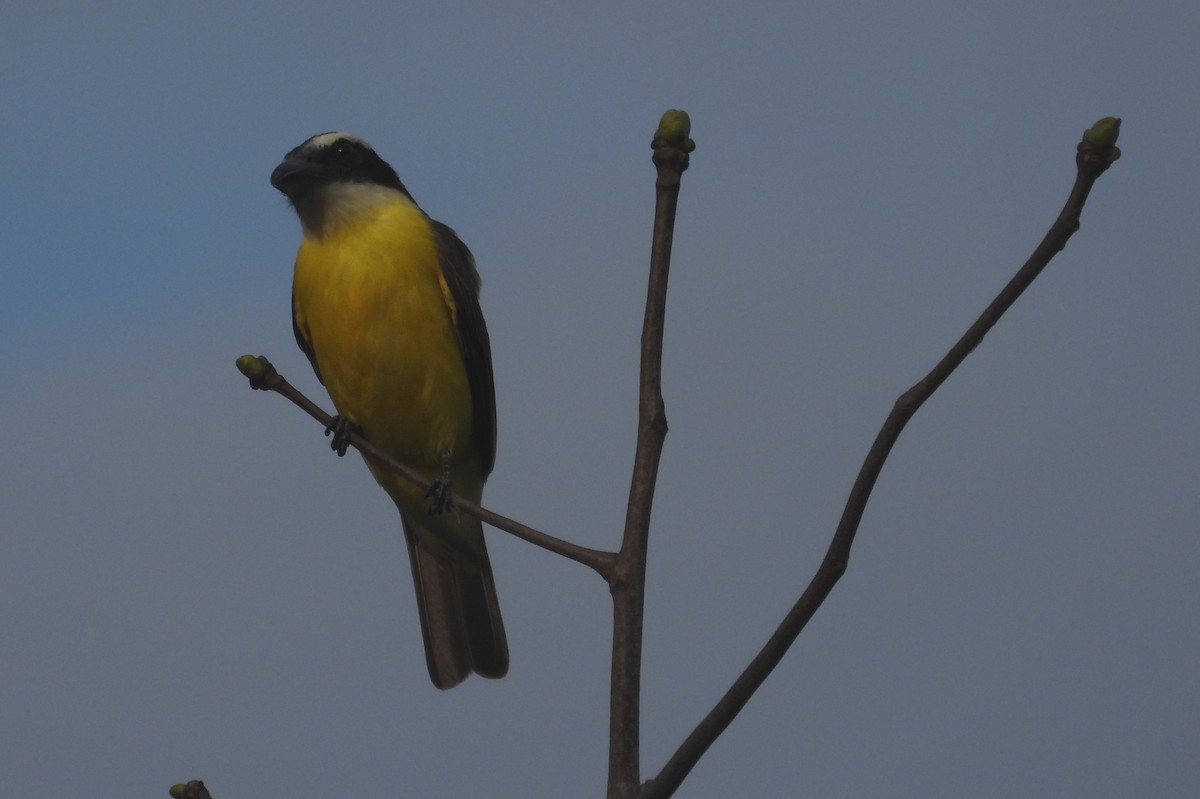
(192,586)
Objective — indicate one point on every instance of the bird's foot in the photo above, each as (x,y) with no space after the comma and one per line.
(340,429)
(441,491)
(441,496)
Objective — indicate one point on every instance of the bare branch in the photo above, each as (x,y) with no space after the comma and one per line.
(1094,155)
(628,581)
(263,376)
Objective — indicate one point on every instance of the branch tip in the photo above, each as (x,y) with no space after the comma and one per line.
(1100,141)
(190,790)
(673,130)
(257,369)
(1104,133)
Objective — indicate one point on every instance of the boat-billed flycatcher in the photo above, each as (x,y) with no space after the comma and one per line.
(385,304)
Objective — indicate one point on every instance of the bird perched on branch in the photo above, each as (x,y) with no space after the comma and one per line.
(385,304)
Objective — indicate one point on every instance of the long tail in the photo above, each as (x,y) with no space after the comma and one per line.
(460,615)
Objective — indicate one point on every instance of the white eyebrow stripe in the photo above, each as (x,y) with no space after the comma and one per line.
(325,139)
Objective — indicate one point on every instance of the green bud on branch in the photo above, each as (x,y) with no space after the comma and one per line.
(1100,141)
(673,131)
(1104,133)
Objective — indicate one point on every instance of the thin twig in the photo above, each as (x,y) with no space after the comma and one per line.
(263,376)
(628,580)
(1094,155)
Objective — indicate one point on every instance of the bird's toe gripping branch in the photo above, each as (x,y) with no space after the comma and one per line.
(440,495)
(441,491)
(339,430)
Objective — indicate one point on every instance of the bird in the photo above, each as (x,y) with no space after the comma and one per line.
(385,304)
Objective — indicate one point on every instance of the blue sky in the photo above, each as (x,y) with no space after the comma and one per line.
(191,586)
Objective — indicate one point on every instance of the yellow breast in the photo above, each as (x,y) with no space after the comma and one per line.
(370,298)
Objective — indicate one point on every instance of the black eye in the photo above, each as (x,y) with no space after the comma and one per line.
(346,154)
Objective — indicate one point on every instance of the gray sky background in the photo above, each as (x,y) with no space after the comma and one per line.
(192,586)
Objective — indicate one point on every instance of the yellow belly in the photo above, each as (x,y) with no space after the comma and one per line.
(370,299)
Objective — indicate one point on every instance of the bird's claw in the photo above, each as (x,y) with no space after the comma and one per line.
(340,429)
(441,496)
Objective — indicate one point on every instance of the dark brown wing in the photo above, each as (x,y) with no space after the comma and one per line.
(303,340)
(458,269)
